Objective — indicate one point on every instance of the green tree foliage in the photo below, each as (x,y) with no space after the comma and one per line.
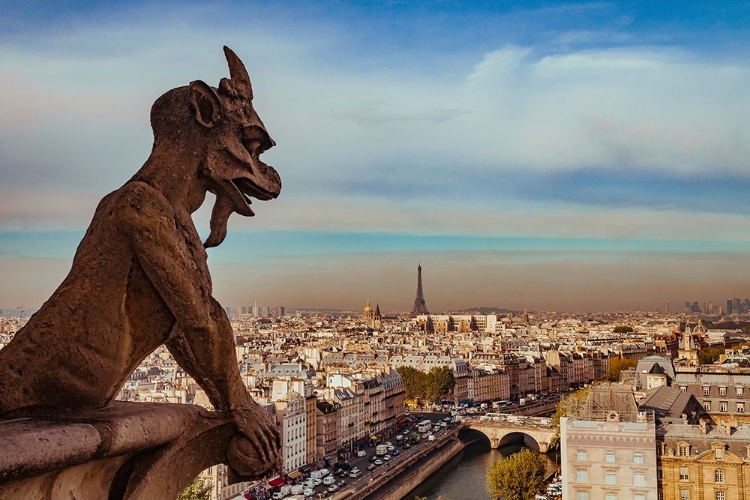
(617,365)
(708,355)
(439,383)
(623,329)
(414,382)
(518,477)
(198,489)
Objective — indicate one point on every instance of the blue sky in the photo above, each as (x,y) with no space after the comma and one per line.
(540,155)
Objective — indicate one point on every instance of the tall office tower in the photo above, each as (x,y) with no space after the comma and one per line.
(419,305)
(729,306)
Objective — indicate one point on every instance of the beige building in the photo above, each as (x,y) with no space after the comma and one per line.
(698,462)
(608,448)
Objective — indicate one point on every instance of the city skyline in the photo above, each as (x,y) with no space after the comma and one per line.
(541,156)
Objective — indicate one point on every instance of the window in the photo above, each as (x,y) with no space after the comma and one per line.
(610,496)
(638,496)
(684,474)
(719,453)
(637,457)
(706,390)
(582,476)
(610,477)
(722,391)
(739,390)
(683,388)
(684,450)
(609,457)
(684,494)
(723,406)
(582,495)
(719,476)
(639,479)
(740,407)
(720,495)
(707,406)
(581,456)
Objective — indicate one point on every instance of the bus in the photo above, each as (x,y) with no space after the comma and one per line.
(424,426)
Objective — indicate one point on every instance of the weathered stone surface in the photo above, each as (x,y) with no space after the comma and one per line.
(140,279)
(128,451)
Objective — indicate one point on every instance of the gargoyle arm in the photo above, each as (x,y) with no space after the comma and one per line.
(201,339)
(161,250)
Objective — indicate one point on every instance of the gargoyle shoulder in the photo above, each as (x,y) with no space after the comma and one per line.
(139,206)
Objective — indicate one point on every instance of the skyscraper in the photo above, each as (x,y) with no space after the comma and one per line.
(419,305)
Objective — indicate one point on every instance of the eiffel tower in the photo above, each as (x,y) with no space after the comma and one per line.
(419,305)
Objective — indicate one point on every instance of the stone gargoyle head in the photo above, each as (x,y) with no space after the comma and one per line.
(221,130)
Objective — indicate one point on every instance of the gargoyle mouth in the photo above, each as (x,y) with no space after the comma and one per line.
(249,189)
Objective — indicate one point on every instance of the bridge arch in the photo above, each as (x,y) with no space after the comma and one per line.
(535,437)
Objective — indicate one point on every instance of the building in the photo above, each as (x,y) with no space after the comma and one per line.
(698,462)
(608,448)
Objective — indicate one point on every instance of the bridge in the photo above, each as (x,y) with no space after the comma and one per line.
(502,429)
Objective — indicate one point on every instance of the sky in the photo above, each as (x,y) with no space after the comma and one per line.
(529,154)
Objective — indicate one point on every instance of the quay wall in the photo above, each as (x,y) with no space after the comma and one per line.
(413,477)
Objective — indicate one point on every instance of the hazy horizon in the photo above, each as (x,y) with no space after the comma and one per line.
(549,156)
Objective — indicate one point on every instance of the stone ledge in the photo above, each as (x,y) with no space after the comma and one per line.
(127,451)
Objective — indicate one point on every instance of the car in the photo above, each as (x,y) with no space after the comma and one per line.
(406,446)
(333,488)
(378,462)
(371,467)
(389,447)
(278,496)
(317,481)
(394,453)
(361,453)
(329,480)
(341,483)
(341,473)
(388,443)
(308,492)
(386,457)
(373,458)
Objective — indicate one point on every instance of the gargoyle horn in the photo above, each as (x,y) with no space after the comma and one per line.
(239,80)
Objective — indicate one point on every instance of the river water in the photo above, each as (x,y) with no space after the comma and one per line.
(463,477)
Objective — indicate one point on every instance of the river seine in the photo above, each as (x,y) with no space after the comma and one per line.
(463,477)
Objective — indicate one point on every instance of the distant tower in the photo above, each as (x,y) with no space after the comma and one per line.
(367,313)
(377,318)
(419,305)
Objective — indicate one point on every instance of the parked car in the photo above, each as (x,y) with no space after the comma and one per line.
(361,453)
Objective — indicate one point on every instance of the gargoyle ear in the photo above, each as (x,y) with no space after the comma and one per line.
(205,103)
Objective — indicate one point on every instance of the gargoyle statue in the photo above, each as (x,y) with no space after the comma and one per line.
(140,278)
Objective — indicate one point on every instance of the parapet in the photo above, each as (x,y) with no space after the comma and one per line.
(126,451)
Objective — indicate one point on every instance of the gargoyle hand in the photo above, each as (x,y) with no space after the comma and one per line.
(256,449)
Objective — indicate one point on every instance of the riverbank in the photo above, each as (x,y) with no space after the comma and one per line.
(397,481)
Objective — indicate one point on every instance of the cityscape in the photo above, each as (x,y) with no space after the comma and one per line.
(332,382)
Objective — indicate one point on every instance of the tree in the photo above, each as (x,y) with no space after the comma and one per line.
(617,365)
(414,382)
(198,489)
(623,329)
(518,477)
(439,382)
(708,355)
